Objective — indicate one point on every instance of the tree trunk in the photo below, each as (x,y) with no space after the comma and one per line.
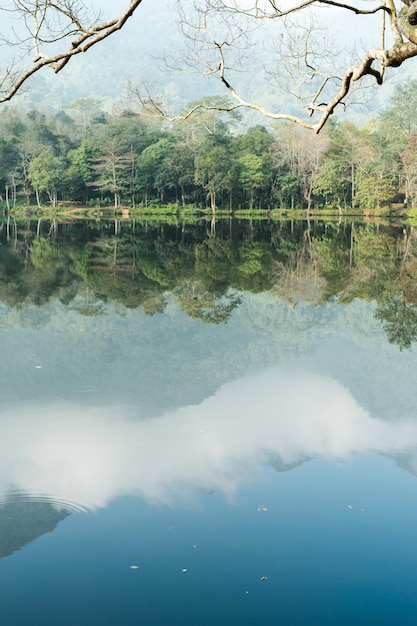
(38,202)
(213,202)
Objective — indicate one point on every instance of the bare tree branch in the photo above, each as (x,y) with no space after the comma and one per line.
(260,9)
(220,36)
(302,51)
(47,23)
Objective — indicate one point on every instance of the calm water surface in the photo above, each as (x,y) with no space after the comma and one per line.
(205,427)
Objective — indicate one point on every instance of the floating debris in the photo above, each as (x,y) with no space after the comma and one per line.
(38,367)
(349,506)
(184,569)
(133,566)
(195,546)
(264,577)
(262,508)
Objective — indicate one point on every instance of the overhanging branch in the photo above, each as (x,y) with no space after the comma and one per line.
(85,38)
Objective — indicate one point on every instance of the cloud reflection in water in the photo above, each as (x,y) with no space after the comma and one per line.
(89,456)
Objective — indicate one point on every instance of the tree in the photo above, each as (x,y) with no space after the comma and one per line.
(218,42)
(309,65)
(84,111)
(253,175)
(409,169)
(399,119)
(397,131)
(255,161)
(338,171)
(299,155)
(47,173)
(399,320)
(114,168)
(9,159)
(214,167)
(175,172)
(374,192)
(81,168)
(118,145)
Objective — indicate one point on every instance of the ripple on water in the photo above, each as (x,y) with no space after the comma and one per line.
(17,497)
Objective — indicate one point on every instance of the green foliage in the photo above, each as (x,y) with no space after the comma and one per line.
(257,140)
(331,182)
(400,322)
(47,173)
(399,119)
(254,174)
(214,168)
(82,161)
(85,264)
(9,160)
(85,156)
(46,255)
(373,193)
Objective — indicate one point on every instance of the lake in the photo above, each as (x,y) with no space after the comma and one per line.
(208,425)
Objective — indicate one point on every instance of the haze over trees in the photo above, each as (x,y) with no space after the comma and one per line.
(221,38)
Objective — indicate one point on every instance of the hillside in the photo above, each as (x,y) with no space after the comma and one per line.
(136,54)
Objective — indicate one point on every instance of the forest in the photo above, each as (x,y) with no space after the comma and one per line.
(83,156)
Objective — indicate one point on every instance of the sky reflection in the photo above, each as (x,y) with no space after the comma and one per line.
(89,456)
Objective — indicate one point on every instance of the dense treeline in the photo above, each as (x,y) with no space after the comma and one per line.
(87,264)
(83,155)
